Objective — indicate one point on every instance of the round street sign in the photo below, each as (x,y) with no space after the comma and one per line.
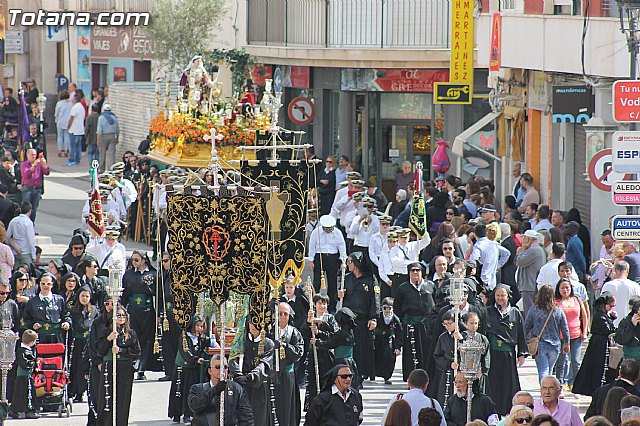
(601,172)
(301,110)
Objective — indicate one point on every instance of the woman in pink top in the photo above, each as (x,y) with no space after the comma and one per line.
(6,256)
(577,321)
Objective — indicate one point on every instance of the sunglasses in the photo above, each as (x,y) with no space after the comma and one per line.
(4,293)
(523,420)
(46,284)
(77,248)
(384,308)
(136,260)
(121,315)
(165,260)
(449,213)
(23,279)
(108,303)
(416,270)
(345,376)
(217,367)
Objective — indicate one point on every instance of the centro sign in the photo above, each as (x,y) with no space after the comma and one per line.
(626,152)
(625,228)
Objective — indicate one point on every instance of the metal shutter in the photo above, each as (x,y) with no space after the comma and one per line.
(581,184)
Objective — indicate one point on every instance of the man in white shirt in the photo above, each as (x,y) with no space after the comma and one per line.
(21,237)
(107,251)
(365,227)
(418,383)
(403,254)
(326,249)
(385,269)
(76,129)
(377,244)
(622,288)
(491,255)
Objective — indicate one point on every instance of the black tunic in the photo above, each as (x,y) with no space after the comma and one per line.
(414,309)
(97,286)
(591,372)
(137,296)
(326,329)
(170,337)
(300,307)
(482,407)
(329,409)
(360,297)
(129,352)
(24,394)
(186,374)
(256,369)
(206,405)
(507,343)
(82,320)
(444,378)
(287,394)
(91,361)
(386,339)
(50,315)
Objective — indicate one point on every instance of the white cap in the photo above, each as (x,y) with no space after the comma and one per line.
(531,234)
(106,107)
(327,221)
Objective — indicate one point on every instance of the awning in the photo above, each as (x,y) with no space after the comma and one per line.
(462,138)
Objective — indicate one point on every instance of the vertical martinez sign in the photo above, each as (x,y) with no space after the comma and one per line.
(461,66)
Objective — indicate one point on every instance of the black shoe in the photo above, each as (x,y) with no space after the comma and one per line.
(32,415)
(164,379)
(14,414)
(186,420)
(388,382)
(141,376)
(176,419)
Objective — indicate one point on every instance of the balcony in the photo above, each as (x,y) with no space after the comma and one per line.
(553,43)
(349,24)
(97,6)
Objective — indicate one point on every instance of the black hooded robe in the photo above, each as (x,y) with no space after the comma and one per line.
(329,409)
(287,396)
(254,371)
(326,329)
(506,342)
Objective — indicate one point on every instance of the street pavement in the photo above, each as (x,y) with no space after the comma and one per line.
(59,214)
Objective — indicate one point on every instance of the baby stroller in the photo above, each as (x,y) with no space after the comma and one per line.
(51,379)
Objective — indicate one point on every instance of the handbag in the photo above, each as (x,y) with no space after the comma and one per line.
(616,353)
(532,343)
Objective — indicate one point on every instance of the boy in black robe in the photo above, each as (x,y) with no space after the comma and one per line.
(443,355)
(387,341)
(23,404)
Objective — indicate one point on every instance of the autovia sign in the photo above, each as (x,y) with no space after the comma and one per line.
(626,193)
(626,228)
(626,152)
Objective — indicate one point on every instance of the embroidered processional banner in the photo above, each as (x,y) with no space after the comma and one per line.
(217,244)
(286,212)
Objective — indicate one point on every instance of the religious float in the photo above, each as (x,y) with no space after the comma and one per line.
(177,131)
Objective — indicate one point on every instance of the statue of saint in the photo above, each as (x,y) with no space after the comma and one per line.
(195,83)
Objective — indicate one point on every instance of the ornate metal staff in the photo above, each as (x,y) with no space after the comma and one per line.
(223,370)
(343,266)
(114,290)
(314,349)
(470,365)
(8,341)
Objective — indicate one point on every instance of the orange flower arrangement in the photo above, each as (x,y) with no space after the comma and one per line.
(194,129)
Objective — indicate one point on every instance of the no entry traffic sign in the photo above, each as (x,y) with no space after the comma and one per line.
(601,172)
(301,110)
(626,101)
(625,228)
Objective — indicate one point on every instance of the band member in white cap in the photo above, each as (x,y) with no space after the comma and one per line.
(326,248)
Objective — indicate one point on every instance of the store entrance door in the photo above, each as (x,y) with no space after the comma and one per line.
(403,140)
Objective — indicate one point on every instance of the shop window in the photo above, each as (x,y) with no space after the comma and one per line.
(406,106)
